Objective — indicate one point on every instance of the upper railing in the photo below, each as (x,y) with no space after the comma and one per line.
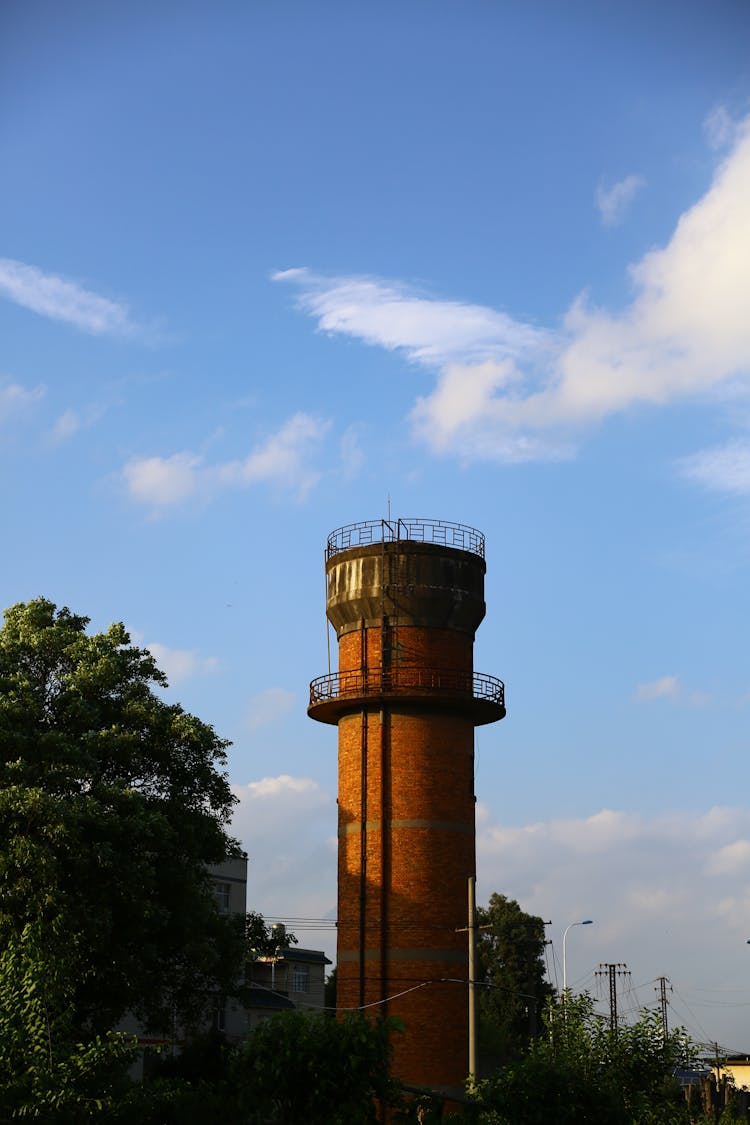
(441,532)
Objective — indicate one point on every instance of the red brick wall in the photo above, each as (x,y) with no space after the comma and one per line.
(419,782)
(410,645)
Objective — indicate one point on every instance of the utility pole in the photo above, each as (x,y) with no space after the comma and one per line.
(663,982)
(471,931)
(612,970)
(472,979)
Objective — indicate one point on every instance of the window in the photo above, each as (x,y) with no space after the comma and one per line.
(219,1015)
(301,978)
(223,896)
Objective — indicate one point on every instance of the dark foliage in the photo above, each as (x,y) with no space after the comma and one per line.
(510,954)
(112,802)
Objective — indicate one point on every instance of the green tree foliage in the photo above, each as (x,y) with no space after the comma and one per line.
(331,990)
(510,955)
(264,940)
(580,1072)
(45,1072)
(112,803)
(297,1067)
(303,1067)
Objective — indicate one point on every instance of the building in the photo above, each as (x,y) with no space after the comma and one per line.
(405,598)
(294,978)
(229,880)
(736,1067)
(229,883)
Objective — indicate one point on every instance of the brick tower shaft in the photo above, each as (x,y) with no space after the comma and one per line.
(405,599)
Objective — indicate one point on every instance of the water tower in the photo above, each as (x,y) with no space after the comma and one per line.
(405,598)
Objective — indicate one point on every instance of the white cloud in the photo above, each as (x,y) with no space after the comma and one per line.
(287,825)
(396,316)
(666,687)
(725,468)
(14,399)
(614,201)
(352,456)
(62,299)
(71,422)
(282,459)
(730,859)
(161,481)
(181,664)
(282,786)
(67,426)
(720,127)
(508,390)
(269,706)
(666,894)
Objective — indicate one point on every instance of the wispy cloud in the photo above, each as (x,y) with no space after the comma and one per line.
(352,456)
(671,687)
(181,664)
(720,127)
(725,468)
(269,706)
(163,481)
(397,316)
(613,202)
(509,390)
(666,687)
(284,459)
(71,422)
(14,399)
(59,298)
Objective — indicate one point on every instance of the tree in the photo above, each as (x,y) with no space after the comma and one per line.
(330,991)
(581,1072)
(298,1067)
(45,1071)
(510,955)
(264,940)
(304,1067)
(112,803)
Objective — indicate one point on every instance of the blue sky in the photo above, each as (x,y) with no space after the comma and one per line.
(264,267)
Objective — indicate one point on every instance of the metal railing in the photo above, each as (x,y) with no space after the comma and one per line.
(441,532)
(442,681)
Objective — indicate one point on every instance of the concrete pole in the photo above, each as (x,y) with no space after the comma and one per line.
(472,979)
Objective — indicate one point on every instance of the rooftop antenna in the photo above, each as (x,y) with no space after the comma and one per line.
(389,507)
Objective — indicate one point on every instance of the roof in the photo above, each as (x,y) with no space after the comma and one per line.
(314,956)
(294,953)
(273,1001)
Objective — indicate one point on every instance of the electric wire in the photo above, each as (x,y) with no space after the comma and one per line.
(426,984)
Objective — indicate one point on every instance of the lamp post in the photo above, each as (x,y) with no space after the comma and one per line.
(585,922)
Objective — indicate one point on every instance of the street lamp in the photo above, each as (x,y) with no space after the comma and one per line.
(585,922)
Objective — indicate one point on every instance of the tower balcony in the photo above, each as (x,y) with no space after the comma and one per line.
(442,690)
